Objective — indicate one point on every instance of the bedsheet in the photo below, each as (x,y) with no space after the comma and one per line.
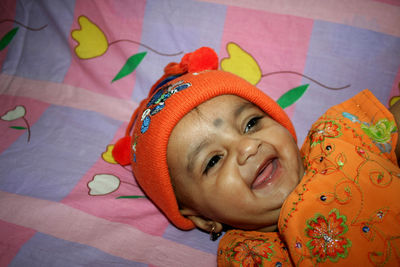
(73,71)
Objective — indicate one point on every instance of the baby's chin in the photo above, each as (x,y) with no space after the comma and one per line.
(258,228)
(269,228)
(266,225)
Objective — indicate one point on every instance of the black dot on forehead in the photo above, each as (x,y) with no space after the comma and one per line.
(218,122)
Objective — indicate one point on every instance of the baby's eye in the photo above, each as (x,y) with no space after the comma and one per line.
(251,123)
(214,160)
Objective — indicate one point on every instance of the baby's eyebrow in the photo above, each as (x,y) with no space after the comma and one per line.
(242,108)
(195,152)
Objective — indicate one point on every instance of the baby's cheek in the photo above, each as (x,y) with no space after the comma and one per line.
(230,192)
(286,142)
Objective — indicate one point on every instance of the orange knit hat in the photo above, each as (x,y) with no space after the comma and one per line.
(183,87)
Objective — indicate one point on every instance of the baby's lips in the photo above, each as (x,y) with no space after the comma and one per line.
(264,173)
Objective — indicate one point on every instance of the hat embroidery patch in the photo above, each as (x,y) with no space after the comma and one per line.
(157,102)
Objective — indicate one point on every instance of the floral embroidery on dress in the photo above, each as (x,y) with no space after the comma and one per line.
(327,240)
(380,133)
(252,252)
(324,129)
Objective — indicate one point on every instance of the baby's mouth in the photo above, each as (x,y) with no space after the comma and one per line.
(265,173)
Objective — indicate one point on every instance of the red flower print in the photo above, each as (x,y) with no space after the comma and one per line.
(251,252)
(322,130)
(327,241)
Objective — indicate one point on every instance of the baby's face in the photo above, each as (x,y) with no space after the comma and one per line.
(232,163)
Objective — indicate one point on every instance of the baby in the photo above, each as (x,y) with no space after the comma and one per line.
(213,151)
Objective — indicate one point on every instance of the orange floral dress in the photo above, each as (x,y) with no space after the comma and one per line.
(346,209)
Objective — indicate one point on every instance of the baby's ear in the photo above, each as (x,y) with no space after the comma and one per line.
(201,222)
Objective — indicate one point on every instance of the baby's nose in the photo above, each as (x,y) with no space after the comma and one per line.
(247,147)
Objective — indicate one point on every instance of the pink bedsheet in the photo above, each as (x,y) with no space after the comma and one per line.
(72,72)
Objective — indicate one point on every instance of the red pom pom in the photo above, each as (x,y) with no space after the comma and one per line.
(203,58)
(122,151)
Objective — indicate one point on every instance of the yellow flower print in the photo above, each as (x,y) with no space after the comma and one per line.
(92,43)
(241,63)
(107,155)
(91,40)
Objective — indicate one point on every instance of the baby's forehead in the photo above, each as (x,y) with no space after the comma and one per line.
(227,98)
(217,113)
(225,101)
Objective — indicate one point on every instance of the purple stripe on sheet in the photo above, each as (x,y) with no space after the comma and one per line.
(176,26)
(44,250)
(194,238)
(121,240)
(64,144)
(340,55)
(29,48)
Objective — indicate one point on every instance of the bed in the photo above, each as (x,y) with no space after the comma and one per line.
(72,73)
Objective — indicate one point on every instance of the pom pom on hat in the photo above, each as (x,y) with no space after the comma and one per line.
(122,151)
(202,59)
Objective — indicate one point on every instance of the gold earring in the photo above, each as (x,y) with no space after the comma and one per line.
(213,235)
